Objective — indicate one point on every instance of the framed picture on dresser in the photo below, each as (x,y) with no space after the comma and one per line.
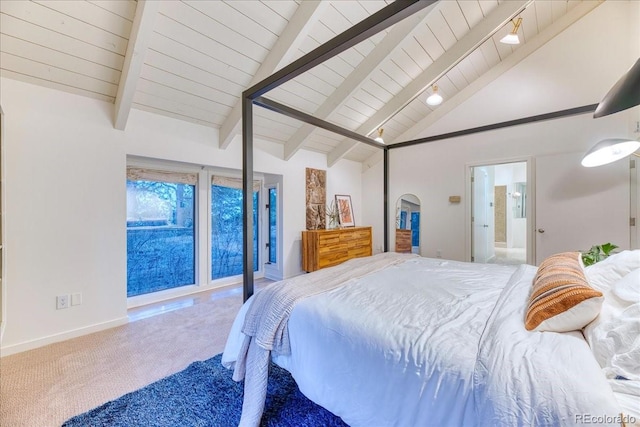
(345,210)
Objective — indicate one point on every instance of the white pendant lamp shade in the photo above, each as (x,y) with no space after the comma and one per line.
(435,98)
(609,150)
(379,137)
(512,37)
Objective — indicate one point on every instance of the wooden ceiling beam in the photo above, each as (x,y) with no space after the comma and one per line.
(141,30)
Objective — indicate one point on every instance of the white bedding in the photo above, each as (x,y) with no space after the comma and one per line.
(436,343)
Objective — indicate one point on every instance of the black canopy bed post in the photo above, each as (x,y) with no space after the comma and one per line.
(385,187)
(247,197)
(384,18)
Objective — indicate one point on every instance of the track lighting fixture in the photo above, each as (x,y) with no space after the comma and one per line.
(512,37)
(435,98)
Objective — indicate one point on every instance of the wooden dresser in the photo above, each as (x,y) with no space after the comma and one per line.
(403,240)
(325,248)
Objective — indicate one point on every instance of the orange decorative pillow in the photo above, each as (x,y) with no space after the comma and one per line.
(561,299)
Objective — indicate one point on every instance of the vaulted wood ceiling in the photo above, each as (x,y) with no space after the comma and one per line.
(191,60)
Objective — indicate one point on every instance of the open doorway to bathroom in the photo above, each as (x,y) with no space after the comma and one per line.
(499,213)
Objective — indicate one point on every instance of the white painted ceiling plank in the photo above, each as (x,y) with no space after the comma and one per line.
(430,43)
(354,81)
(529,27)
(284,8)
(171,104)
(444,63)
(454,18)
(185,98)
(31,79)
(407,64)
(188,37)
(490,53)
(123,8)
(303,91)
(417,53)
(487,6)
(227,15)
(173,66)
(360,106)
(260,14)
(396,73)
(283,96)
(186,85)
(56,21)
(171,114)
(471,11)
(372,160)
(59,42)
(312,81)
(91,14)
(364,95)
(441,30)
(187,54)
(558,9)
(61,76)
(456,77)
(383,79)
(288,43)
(543,14)
(57,59)
(143,21)
(543,37)
(193,18)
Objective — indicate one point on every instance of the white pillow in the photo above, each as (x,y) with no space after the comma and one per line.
(602,275)
(614,336)
(628,288)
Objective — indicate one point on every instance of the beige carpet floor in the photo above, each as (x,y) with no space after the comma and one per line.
(46,386)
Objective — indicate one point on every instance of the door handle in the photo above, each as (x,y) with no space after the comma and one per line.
(540,230)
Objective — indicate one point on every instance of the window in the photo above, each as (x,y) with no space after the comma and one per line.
(161,232)
(272,237)
(226,226)
(185,228)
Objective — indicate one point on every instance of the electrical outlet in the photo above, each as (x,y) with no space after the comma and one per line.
(62,301)
(439,253)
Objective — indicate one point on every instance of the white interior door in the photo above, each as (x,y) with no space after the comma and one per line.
(577,207)
(480,218)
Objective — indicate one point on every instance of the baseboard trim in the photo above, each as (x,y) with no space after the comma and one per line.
(63,336)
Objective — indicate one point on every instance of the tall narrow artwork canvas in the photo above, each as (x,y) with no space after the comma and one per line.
(316,198)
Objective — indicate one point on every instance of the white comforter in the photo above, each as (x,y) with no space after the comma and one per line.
(436,343)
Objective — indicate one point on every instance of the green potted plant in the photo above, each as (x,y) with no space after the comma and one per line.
(597,253)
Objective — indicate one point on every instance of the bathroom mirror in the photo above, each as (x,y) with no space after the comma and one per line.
(519,196)
(408,224)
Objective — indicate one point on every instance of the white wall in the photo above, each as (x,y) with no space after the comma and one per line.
(66,204)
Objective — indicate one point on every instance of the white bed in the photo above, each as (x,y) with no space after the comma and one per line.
(429,342)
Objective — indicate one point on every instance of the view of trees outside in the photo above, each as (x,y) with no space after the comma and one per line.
(160,236)
(226,231)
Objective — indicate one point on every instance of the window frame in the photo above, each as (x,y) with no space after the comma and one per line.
(202,224)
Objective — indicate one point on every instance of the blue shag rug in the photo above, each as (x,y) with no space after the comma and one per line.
(205,395)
